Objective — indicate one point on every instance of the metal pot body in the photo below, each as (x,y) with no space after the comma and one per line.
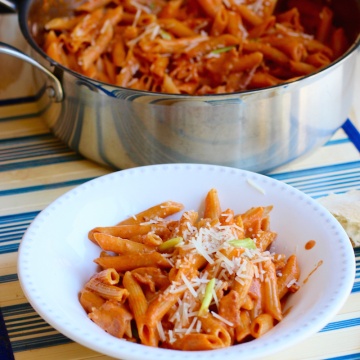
(255,130)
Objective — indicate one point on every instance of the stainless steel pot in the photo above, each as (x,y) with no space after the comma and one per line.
(255,130)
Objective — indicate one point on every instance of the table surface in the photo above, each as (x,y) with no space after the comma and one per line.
(36,168)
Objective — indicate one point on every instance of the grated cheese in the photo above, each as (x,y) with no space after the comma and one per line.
(291,283)
(216,315)
(160,331)
(256,186)
(188,285)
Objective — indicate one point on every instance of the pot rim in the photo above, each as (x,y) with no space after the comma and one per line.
(22,16)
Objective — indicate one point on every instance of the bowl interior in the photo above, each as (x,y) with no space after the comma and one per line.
(56,258)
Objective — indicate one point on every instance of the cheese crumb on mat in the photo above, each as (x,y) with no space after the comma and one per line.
(346,209)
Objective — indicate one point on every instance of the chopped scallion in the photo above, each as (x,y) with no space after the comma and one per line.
(169,244)
(243,243)
(165,35)
(222,50)
(207,298)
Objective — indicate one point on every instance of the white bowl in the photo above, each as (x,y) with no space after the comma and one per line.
(56,257)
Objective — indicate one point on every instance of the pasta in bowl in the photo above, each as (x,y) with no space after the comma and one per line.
(318,290)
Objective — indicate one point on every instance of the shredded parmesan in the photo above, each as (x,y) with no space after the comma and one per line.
(216,315)
(256,186)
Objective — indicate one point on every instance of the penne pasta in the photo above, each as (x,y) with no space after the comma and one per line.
(195,47)
(209,283)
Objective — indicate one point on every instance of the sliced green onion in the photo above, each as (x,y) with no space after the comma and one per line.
(243,243)
(169,244)
(207,298)
(222,50)
(165,35)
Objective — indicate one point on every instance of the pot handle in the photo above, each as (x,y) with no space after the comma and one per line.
(56,90)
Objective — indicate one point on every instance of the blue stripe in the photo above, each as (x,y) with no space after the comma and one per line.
(338,178)
(353,133)
(40,162)
(44,187)
(337,142)
(336,325)
(8,219)
(356,287)
(346,357)
(315,171)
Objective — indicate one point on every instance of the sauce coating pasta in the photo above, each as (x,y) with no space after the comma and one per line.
(206,282)
(195,47)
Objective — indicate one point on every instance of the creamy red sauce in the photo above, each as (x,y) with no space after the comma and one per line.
(312,271)
(310,244)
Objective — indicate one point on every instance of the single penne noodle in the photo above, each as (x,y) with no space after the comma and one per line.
(268,51)
(261,325)
(108,276)
(137,301)
(249,15)
(220,23)
(258,31)
(264,239)
(176,27)
(91,5)
(215,327)
(63,23)
(211,7)
(289,273)
(318,59)
(234,25)
(90,300)
(243,329)
(194,342)
(156,310)
(188,219)
(325,24)
(106,291)
(130,231)
(212,43)
(212,205)
(339,42)
(271,303)
(162,210)
(301,68)
(242,285)
(119,245)
(129,262)
(251,220)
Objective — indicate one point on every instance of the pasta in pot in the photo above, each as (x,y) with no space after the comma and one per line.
(209,282)
(195,47)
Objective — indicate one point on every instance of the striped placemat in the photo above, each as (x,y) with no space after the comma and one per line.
(36,168)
